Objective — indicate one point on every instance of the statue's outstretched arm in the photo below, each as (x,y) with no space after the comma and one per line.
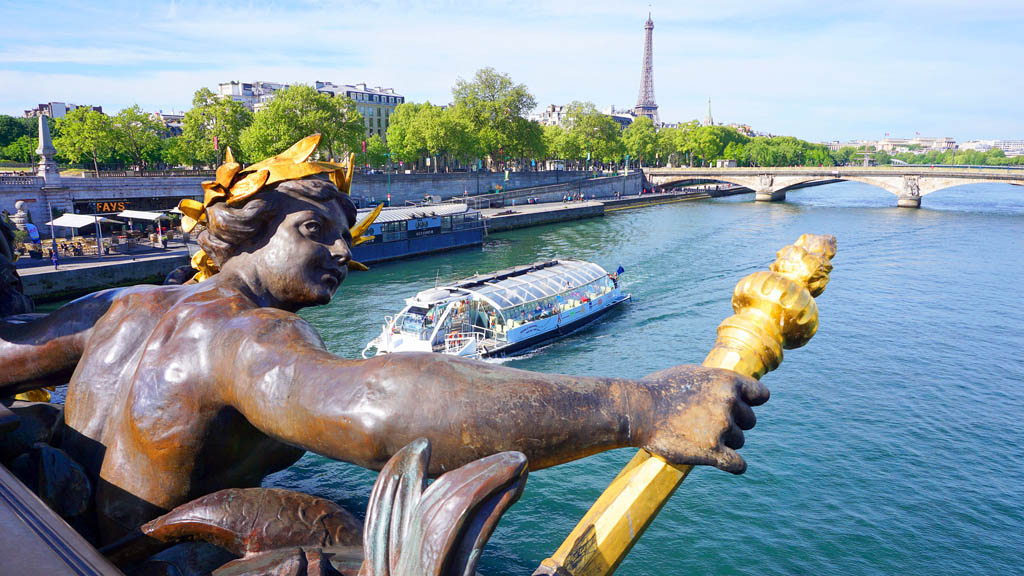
(280,377)
(44,351)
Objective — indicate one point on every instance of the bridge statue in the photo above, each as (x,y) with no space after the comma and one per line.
(182,398)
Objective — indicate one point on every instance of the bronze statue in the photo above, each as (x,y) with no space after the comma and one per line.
(177,392)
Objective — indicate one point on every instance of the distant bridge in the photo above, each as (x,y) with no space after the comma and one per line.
(908,183)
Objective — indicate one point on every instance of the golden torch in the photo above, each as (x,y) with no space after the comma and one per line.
(774,310)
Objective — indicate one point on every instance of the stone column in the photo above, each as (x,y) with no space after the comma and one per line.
(911,195)
(47,169)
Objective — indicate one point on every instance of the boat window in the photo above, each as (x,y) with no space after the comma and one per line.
(445,327)
(412,323)
(531,285)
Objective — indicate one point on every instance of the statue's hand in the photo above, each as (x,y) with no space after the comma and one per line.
(696,415)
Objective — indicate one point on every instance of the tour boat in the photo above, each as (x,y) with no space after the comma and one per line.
(501,313)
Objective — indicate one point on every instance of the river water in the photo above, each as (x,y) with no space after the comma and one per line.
(891,443)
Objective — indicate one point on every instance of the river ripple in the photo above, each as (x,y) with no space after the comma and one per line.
(891,442)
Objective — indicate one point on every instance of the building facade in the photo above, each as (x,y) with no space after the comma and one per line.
(1010,148)
(57,109)
(376,105)
(552,115)
(622,117)
(916,144)
(172,121)
(253,95)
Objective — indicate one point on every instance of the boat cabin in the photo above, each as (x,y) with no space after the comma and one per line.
(501,312)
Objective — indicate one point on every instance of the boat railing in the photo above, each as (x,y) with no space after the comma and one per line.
(456,341)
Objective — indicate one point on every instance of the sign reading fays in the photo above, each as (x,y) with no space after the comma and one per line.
(114,206)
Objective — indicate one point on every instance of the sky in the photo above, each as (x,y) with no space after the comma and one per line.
(817,70)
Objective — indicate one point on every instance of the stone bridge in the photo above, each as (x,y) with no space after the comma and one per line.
(908,183)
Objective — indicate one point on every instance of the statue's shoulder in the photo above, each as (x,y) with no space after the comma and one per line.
(272,326)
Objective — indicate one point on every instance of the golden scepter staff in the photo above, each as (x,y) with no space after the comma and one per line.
(774,310)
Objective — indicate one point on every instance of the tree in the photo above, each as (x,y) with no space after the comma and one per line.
(461,142)
(593,134)
(527,139)
(496,109)
(11,129)
(555,142)
(406,138)
(376,152)
(176,151)
(21,150)
(297,112)
(733,151)
(675,144)
(85,135)
(641,140)
(212,118)
(707,144)
(137,135)
(845,155)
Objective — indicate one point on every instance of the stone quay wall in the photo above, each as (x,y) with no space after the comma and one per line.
(56,285)
(591,188)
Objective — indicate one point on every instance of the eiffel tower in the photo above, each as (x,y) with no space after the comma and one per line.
(645,104)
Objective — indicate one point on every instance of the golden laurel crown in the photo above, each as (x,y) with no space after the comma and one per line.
(235,185)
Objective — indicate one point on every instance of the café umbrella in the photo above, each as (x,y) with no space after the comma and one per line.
(77,221)
(143,215)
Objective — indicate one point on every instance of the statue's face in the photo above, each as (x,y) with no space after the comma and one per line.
(304,255)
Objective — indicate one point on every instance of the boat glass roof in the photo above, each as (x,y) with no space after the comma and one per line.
(534,284)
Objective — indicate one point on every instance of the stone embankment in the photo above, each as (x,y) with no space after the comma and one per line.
(118,193)
(75,278)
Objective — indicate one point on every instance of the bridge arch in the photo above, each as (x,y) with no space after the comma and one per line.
(771,184)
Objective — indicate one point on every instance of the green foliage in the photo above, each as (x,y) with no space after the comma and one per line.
(419,130)
(20,150)
(137,136)
(85,135)
(297,112)
(11,129)
(176,151)
(990,157)
(211,117)
(494,109)
(458,137)
(376,152)
(593,133)
(555,143)
(406,138)
(641,140)
(845,156)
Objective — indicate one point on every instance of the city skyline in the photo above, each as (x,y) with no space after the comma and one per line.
(795,68)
